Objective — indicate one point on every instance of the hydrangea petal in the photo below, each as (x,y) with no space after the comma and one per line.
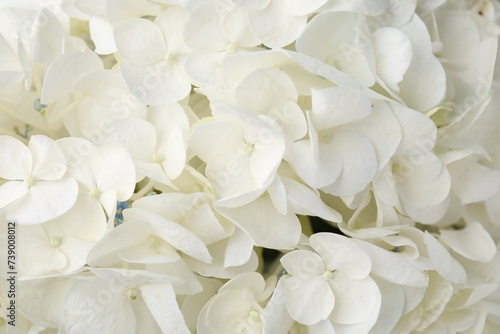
(308,299)
(12,191)
(356,300)
(203,30)
(223,319)
(116,316)
(393,267)
(113,169)
(425,183)
(15,159)
(339,105)
(238,249)
(419,132)
(263,87)
(473,182)
(140,42)
(49,162)
(66,71)
(358,166)
(101,33)
(161,83)
(473,242)
(316,173)
(339,254)
(393,53)
(303,262)
(160,299)
(274,26)
(174,233)
(425,69)
(449,268)
(45,200)
(304,201)
(264,224)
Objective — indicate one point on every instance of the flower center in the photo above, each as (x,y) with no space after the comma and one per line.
(30,181)
(254,316)
(55,241)
(95,193)
(332,62)
(158,157)
(327,274)
(231,48)
(154,242)
(132,293)
(246,148)
(170,57)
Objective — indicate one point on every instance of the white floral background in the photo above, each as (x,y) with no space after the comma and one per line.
(250,166)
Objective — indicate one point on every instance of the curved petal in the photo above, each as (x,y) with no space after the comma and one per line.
(12,191)
(15,159)
(147,254)
(393,53)
(424,83)
(49,162)
(356,301)
(393,267)
(339,105)
(223,319)
(308,300)
(101,33)
(383,130)
(114,169)
(203,30)
(164,82)
(115,316)
(359,163)
(472,182)
(173,233)
(304,201)
(140,42)
(264,224)
(45,200)
(263,87)
(66,71)
(316,173)
(303,263)
(422,180)
(449,268)
(105,252)
(473,242)
(136,135)
(210,138)
(161,302)
(419,131)
(341,255)
(274,26)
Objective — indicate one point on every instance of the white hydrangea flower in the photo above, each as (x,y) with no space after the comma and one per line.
(339,120)
(242,151)
(246,293)
(153,56)
(332,282)
(38,188)
(158,144)
(136,300)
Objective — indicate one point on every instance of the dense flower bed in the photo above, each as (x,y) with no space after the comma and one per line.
(162,162)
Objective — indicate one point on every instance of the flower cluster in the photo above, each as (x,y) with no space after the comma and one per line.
(163,161)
